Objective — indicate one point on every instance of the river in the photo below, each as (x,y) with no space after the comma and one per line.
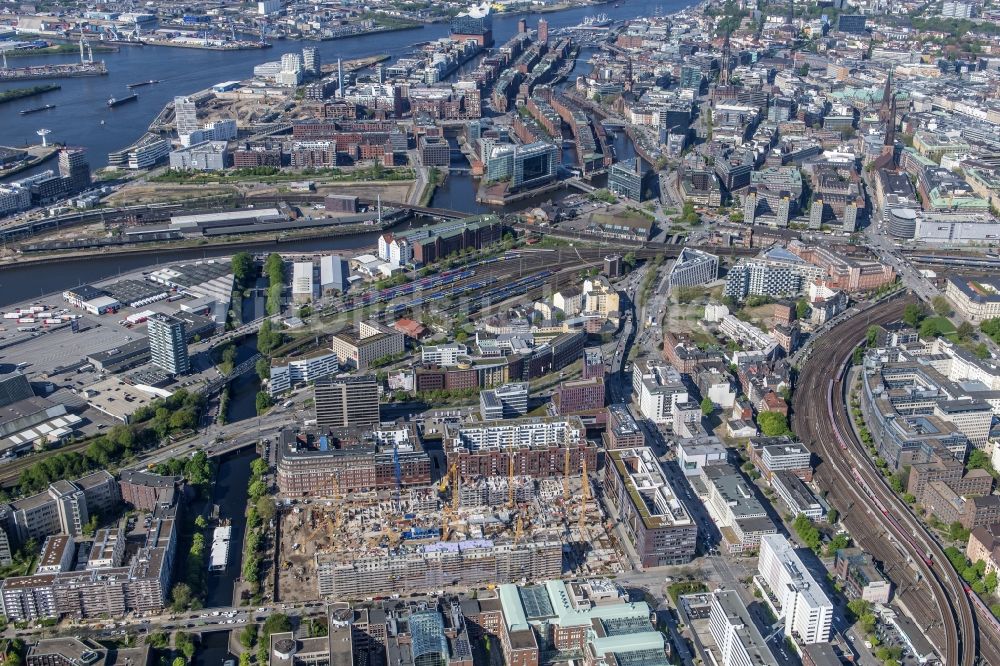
(81,104)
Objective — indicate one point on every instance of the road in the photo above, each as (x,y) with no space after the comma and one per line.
(933,596)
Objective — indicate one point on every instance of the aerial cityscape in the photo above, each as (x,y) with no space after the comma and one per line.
(518,333)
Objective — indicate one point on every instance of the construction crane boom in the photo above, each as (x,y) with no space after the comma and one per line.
(566,476)
(510,481)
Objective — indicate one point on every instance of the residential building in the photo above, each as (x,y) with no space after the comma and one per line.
(537,446)
(424,568)
(771,455)
(185,116)
(693,453)
(201,156)
(168,343)
(659,527)
(346,402)
(792,593)
(984,546)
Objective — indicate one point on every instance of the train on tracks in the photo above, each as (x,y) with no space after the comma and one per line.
(836,383)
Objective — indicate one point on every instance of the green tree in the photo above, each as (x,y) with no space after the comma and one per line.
(263,402)
(184,643)
(265,509)
(243,268)
(245,659)
(257,489)
(263,368)
(802,308)
(258,468)
(941,306)
(913,314)
(965,331)
(158,639)
(707,406)
(181,595)
(832,516)
(179,661)
(629,260)
(248,636)
(200,522)
(773,424)
(275,624)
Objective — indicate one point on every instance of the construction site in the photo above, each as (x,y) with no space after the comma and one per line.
(460,532)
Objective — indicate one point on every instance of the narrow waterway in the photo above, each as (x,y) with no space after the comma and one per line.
(230,494)
(213,650)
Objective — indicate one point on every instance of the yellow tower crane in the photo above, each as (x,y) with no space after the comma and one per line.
(510,481)
(583,473)
(518,528)
(456,486)
(566,476)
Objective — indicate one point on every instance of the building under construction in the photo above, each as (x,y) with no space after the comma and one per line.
(535,446)
(436,565)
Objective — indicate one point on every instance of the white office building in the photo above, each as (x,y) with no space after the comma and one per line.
(737,639)
(693,268)
(185,116)
(504,402)
(658,388)
(443,355)
(290,372)
(792,592)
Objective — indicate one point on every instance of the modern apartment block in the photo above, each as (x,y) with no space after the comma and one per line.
(103,587)
(660,528)
(334,464)
(780,454)
(63,508)
(347,402)
(508,401)
(311,367)
(371,341)
(432,566)
(792,593)
(168,343)
(537,446)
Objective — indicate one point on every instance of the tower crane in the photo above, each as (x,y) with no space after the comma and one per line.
(510,481)
(566,476)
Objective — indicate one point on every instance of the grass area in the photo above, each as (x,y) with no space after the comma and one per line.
(679,589)
(19,93)
(942,325)
(273,175)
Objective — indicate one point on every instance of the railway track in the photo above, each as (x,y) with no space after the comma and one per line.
(926,583)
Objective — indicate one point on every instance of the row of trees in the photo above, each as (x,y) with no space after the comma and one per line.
(260,511)
(274,269)
(150,425)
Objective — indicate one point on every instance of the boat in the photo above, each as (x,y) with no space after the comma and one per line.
(118,101)
(142,83)
(25,112)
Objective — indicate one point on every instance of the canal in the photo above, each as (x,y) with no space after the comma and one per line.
(213,650)
(81,104)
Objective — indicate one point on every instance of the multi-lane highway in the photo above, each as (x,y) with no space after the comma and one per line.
(926,584)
